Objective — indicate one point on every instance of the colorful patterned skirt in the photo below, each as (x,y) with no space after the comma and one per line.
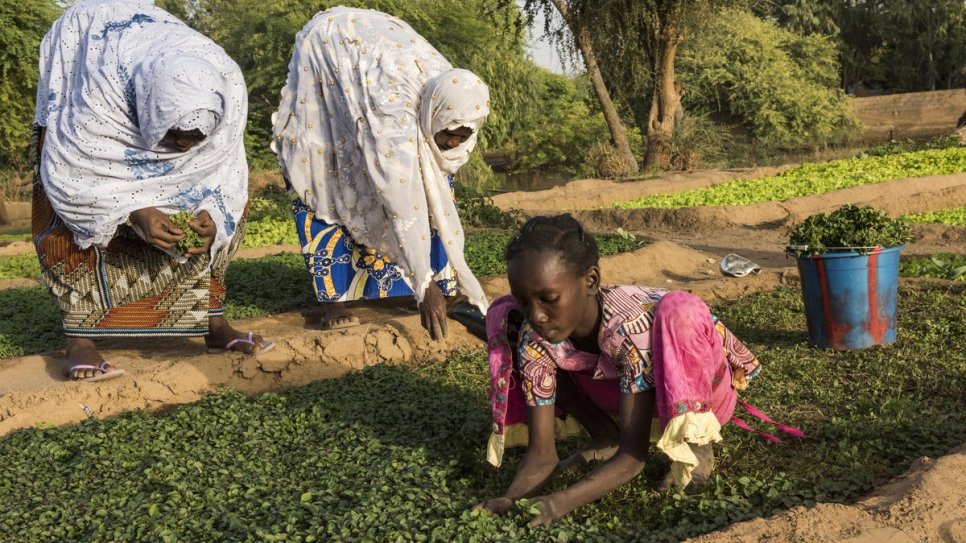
(343,270)
(129,288)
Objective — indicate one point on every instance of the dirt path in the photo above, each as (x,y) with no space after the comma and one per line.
(927,504)
(685,247)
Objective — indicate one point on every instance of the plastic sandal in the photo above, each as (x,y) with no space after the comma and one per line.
(266,346)
(103,368)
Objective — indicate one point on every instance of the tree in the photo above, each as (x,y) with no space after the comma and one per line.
(579,20)
(894,45)
(635,44)
(22,27)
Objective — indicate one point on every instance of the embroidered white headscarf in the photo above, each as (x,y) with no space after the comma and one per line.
(116,75)
(354,135)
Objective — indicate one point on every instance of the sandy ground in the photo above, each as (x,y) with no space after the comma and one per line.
(927,504)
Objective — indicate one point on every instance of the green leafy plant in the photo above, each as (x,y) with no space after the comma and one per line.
(939,266)
(954,216)
(16,266)
(191,239)
(849,228)
(476,210)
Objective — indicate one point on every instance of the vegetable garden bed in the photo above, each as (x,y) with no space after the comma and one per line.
(396,453)
(815,178)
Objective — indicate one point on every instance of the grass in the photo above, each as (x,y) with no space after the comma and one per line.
(396,453)
(813,179)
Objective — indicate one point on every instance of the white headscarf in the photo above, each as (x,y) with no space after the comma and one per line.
(116,75)
(354,135)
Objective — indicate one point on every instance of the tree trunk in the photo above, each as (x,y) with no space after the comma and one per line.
(585,44)
(666,97)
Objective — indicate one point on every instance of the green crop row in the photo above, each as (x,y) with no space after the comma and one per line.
(396,453)
(954,216)
(813,179)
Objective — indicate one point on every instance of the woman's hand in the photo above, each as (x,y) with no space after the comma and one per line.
(205,227)
(433,310)
(497,506)
(156,228)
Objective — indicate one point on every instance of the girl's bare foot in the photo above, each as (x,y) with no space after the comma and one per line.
(702,472)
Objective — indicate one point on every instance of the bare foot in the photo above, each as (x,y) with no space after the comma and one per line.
(220,334)
(702,472)
(596,450)
(83,352)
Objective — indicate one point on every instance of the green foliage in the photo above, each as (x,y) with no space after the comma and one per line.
(894,45)
(939,266)
(780,85)
(29,322)
(696,141)
(850,227)
(16,266)
(902,45)
(484,250)
(954,216)
(813,179)
(22,27)
(946,141)
(191,239)
(476,210)
(396,454)
(566,124)
(270,220)
(267,285)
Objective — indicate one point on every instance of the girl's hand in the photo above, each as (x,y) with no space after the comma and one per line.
(205,227)
(497,506)
(550,510)
(156,228)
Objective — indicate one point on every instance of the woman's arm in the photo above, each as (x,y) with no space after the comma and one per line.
(538,463)
(636,412)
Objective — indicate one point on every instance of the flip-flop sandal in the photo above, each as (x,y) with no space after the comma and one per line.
(353,321)
(266,346)
(103,368)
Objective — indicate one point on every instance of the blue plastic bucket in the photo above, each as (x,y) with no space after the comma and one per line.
(850,299)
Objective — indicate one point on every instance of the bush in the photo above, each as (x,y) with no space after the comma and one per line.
(604,161)
(695,141)
(781,85)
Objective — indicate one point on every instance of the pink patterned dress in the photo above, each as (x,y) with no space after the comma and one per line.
(649,339)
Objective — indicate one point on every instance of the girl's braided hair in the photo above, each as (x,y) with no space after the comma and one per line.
(561,234)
